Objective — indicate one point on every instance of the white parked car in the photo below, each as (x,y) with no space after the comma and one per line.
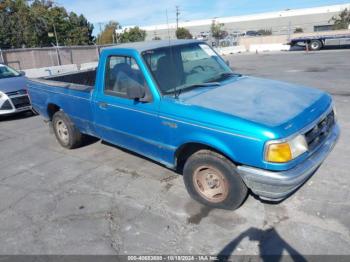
(13,91)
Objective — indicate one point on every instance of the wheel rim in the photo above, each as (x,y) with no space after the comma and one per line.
(62,131)
(211,184)
(314,45)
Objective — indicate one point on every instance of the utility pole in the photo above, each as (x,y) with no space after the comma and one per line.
(100,34)
(54,30)
(177,16)
(167,22)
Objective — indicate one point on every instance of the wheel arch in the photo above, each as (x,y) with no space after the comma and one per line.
(52,108)
(187,149)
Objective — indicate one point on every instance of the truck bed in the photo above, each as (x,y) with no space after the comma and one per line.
(81,80)
(71,91)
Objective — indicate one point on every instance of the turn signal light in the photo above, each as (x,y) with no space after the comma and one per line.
(279,153)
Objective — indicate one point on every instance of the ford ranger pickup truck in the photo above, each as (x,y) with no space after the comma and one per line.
(180,104)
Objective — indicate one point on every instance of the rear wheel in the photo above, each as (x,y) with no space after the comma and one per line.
(65,131)
(212,180)
(315,45)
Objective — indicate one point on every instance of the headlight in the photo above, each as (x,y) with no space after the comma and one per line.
(282,152)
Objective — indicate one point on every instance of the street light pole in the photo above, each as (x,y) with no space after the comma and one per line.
(54,30)
(57,45)
(2,57)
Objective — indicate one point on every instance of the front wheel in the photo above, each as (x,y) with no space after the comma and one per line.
(212,180)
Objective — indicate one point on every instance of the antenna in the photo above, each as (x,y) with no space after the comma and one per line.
(171,49)
(167,23)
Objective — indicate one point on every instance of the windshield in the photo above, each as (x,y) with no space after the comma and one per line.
(176,68)
(6,72)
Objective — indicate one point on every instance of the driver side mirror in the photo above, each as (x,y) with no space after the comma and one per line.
(22,73)
(136,91)
(227,62)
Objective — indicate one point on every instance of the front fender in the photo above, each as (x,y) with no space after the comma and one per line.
(211,142)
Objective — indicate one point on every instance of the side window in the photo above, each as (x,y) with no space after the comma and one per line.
(121,73)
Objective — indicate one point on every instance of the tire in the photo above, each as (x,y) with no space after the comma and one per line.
(65,131)
(315,45)
(212,180)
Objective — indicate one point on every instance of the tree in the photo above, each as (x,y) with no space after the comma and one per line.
(183,33)
(108,35)
(217,31)
(132,35)
(16,26)
(264,32)
(80,30)
(28,25)
(342,21)
(298,30)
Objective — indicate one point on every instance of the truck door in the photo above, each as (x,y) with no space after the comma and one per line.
(131,124)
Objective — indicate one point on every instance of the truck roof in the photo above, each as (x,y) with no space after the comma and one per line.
(149,45)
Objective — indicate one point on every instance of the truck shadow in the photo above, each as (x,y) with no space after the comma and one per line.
(271,245)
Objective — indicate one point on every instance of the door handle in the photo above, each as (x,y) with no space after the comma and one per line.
(102,104)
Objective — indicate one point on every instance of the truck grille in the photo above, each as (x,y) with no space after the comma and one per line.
(20,101)
(320,131)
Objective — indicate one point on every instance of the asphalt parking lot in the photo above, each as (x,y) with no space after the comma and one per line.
(99,199)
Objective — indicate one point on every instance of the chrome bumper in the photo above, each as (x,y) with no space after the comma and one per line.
(276,186)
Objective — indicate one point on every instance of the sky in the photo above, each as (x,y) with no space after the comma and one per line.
(148,12)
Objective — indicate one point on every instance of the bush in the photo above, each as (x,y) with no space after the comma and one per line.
(298,30)
(183,33)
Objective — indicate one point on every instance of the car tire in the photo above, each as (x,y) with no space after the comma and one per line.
(67,134)
(315,45)
(213,180)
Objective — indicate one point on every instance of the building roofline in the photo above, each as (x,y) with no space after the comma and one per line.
(252,17)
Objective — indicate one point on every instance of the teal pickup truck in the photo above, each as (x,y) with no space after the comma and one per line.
(180,104)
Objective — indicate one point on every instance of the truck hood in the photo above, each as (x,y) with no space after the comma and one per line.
(13,84)
(266,102)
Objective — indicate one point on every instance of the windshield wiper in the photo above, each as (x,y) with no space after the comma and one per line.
(189,87)
(224,76)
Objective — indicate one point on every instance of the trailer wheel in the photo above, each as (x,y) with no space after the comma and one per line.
(315,45)
(66,132)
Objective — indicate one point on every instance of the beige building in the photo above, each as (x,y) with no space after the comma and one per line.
(280,23)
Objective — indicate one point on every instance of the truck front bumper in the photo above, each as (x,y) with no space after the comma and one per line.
(275,186)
